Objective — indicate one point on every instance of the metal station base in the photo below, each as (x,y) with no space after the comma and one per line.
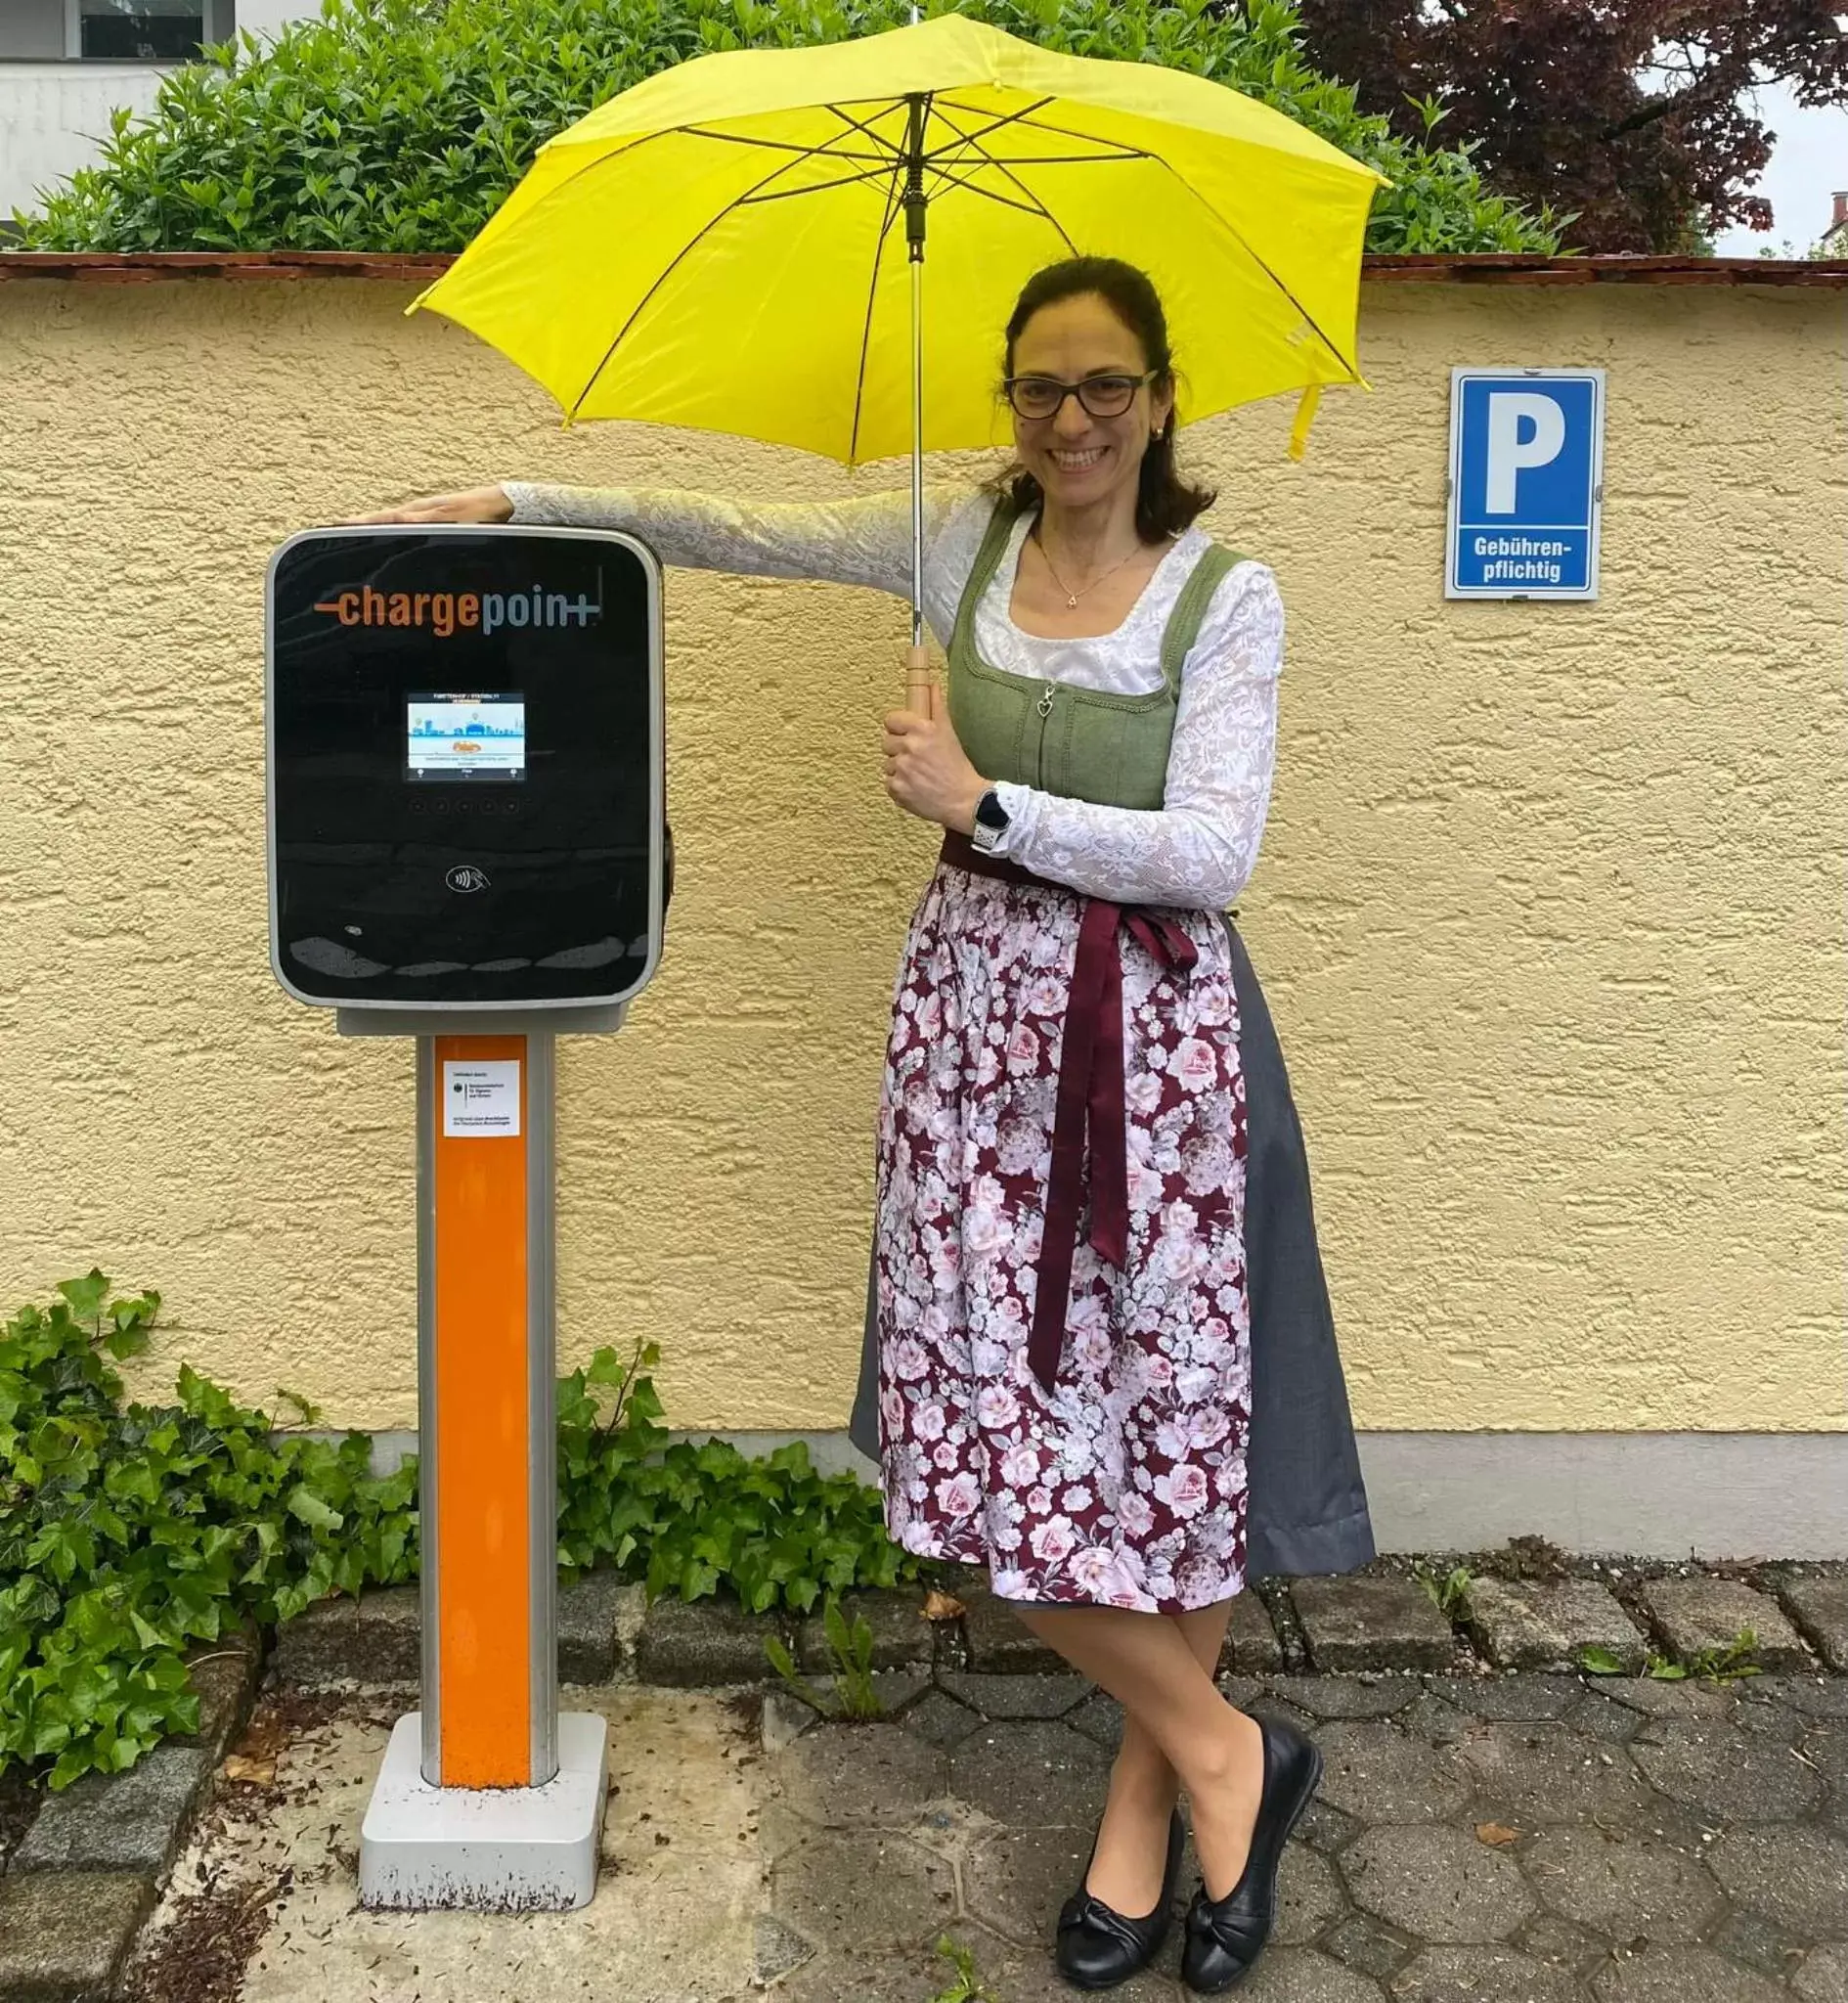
(486,1850)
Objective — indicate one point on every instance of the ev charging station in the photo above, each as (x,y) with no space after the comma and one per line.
(468,847)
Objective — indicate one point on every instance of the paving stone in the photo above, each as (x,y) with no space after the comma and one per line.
(1381,1774)
(940,1719)
(132,1821)
(1820,1609)
(851,1775)
(1814,1695)
(373,1640)
(1621,1883)
(1726,1775)
(1031,1776)
(785,1718)
(1694,1614)
(1015,1697)
(1100,1719)
(1825,1747)
(1531,1624)
(691,1643)
(1669,1696)
(1429,1717)
(845,1976)
(590,1615)
(893,1689)
(779,1947)
(1544,1772)
(1300,1974)
(1441,1885)
(1599,1714)
(1361,1942)
(64,1935)
(1755,1942)
(1475,1974)
(999,1640)
(1344,1696)
(863,1894)
(1251,1646)
(1681,1975)
(224,1679)
(1363,1621)
(902,1638)
(1548,1939)
(1824,1977)
(1797,1877)
(1509,1697)
(1325,1828)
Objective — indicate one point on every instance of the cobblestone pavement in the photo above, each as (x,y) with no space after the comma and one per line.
(1513,1839)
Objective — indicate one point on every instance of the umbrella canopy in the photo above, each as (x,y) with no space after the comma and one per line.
(726,246)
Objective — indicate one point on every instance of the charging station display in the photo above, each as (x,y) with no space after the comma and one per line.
(467,780)
(466,737)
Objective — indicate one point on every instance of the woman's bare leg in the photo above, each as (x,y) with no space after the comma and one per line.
(1160,1668)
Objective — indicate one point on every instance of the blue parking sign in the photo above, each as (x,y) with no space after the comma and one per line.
(1527,483)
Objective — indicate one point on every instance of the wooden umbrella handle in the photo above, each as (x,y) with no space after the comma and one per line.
(917,680)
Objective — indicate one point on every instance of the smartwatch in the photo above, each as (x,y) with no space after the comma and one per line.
(991,820)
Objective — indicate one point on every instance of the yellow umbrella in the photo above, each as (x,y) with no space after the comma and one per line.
(725,244)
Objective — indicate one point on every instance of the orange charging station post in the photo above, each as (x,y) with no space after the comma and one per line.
(468,850)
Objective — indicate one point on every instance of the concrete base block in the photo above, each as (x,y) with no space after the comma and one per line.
(486,1850)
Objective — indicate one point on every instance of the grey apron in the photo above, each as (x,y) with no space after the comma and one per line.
(1306,1505)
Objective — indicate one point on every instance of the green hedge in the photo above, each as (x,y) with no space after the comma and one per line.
(129,1535)
(399,125)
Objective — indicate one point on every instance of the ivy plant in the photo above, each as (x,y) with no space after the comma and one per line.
(132,1535)
(401,125)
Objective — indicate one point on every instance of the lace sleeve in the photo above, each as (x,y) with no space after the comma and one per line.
(1199,848)
(865,539)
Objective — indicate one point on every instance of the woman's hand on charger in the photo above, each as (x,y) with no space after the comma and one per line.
(927,771)
(478,503)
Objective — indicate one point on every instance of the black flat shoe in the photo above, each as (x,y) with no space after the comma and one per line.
(1225,1936)
(1099,1946)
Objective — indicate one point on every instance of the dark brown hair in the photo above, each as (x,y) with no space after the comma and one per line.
(1165,504)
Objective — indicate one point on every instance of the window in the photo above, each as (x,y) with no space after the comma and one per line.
(111,31)
(158,31)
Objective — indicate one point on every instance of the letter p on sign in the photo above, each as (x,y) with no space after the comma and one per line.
(1509,451)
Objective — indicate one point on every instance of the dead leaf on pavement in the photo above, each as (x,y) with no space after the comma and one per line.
(261,1772)
(1496,1833)
(942,1606)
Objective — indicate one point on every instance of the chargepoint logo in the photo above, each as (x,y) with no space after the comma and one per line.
(448,612)
(465,876)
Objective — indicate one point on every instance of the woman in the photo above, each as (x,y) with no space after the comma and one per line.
(1060,1335)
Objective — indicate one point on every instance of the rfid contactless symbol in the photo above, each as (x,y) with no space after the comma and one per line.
(465,876)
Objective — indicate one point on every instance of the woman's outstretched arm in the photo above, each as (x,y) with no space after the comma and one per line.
(865,539)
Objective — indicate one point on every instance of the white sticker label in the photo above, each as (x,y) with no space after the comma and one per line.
(481,1098)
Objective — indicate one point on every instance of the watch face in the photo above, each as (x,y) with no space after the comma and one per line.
(991,813)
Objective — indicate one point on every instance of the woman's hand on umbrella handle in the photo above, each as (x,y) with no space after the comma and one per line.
(927,771)
(478,503)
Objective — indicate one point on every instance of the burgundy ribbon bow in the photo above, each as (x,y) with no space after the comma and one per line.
(1091,1092)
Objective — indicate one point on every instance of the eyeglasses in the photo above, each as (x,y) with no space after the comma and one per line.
(1104,396)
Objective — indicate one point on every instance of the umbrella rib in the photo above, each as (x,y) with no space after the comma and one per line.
(668,270)
(872,293)
(1034,206)
(788,146)
(1231,229)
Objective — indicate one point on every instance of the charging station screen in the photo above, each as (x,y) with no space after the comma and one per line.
(466,737)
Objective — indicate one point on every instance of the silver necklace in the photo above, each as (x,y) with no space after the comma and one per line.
(1072,597)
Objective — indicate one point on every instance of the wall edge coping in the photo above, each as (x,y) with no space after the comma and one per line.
(1472,268)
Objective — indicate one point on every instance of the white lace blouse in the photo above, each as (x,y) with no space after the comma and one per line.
(1199,848)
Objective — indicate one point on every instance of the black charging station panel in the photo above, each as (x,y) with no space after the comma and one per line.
(467,767)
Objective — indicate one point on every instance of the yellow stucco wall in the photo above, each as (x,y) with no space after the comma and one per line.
(1549,909)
